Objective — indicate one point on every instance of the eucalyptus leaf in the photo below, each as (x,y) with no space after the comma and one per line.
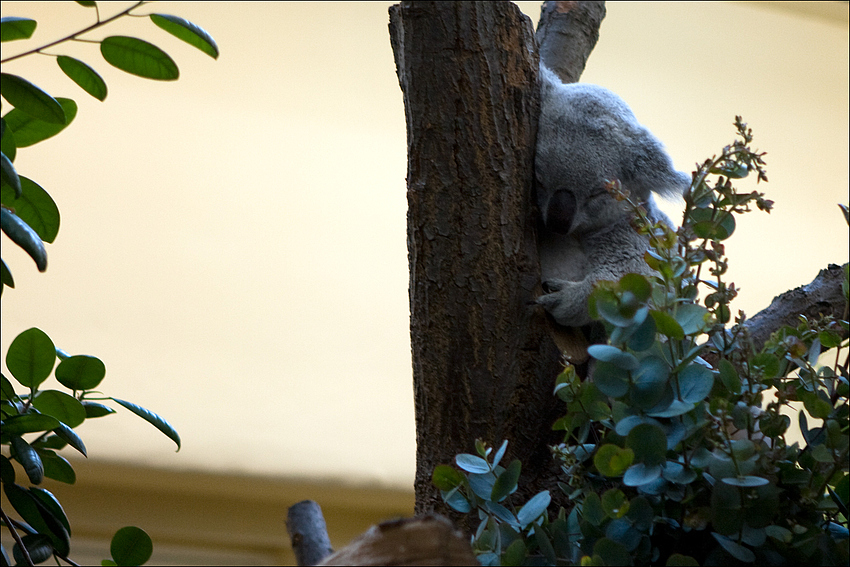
(695,383)
(472,463)
(534,508)
(506,483)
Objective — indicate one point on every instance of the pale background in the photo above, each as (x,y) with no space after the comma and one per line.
(233,245)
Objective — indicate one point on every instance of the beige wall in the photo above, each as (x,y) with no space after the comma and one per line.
(233,244)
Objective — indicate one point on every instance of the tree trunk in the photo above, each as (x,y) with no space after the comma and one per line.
(484,362)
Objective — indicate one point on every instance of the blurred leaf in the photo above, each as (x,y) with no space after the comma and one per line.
(21,234)
(80,372)
(638,285)
(649,382)
(736,550)
(85,77)
(7,140)
(611,380)
(611,460)
(138,57)
(12,28)
(641,474)
(613,355)
(615,503)
(5,277)
(46,499)
(86,3)
(28,98)
(444,477)
(695,383)
(28,458)
(611,552)
(692,318)
(29,130)
(94,409)
(679,560)
(60,405)
(667,325)
(131,546)
(7,471)
(649,443)
(38,547)
(10,176)
(153,419)
(188,32)
(729,376)
(746,481)
(56,467)
(30,357)
(36,208)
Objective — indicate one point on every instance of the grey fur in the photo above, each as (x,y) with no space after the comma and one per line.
(586,136)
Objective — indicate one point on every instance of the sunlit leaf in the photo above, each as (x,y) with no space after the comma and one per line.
(12,28)
(87,78)
(472,463)
(30,357)
(445,477)
(27,97)
(138,57)
(188,32)
(611,460)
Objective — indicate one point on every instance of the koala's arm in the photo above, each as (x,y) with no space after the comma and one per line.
(608,254)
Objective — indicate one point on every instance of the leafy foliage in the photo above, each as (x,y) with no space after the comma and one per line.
(30,218)
(679,449)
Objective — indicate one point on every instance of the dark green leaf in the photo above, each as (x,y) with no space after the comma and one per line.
(27,97)
(7,141)
(138,57)
(29,423)
(638,285)
(457,501)
(30,357)
(38,547)
(7,471)
(506,482)
(7,391)
(545,546)
(471,463)
(534,508)
(615,503)
(46,499)
(729,376)
(188,32)
(80,372)
(94,409)
(444,476)
(86,3)
(131,546)
(516,553)
(611,460)
(12,28)
(679,560)
(610,379)
(736,550)
(36,208)
(153,419)
(21,234)
(60,405)
(692,318)
(591,509)
(24,504)
(28,458)
(70,436)
(10,176)
(649,443)
(56,467)
(86,77)
(644,336)
(650,382)
(611,552)
(29,130)
(5,277)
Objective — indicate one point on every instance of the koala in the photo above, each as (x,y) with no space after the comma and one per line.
(586,137)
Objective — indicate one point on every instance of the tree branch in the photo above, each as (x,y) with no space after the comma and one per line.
(308,533)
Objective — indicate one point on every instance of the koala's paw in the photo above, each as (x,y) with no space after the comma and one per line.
(566,301)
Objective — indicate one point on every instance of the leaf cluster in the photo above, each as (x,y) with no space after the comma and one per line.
(670,459)
(37,423)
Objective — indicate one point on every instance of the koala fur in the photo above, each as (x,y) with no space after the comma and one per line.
(587,136)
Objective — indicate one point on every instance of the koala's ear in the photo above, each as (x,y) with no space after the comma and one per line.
(560,211)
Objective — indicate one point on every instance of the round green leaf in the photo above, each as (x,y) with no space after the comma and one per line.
(21,234)
(38,547)
(56,467)
(611,380)
(729,376)
(695,383)
(611,460)
(444,476)
(7,140)
(188,32)
(29,130)
(138,57)
(649,443)
(692,318)
(27,97)
(638,285)
(611,552)
(650,382)
(12,28)
(667,325)
(613,355)
(35,207)
(615,503)
(80,372)
(7,471)
(30,357)
(86,77)
(641,474)
(60,405)
(644,336)
(131,546)
(153,419)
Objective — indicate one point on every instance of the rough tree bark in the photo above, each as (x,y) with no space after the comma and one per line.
(484,362)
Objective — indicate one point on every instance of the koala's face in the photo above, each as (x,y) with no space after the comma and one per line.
(577,212)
